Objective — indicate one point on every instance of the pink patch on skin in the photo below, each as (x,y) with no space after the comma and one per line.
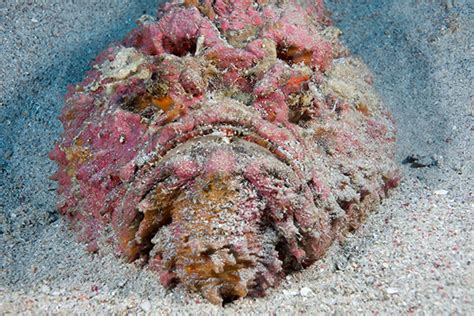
(273,107)
(221,161)
(233,78)
(147,38)
(176,33)
(298,253)
(320,187)
(257,48)
(376,130)
(167,278)
(269,14)
(347,142)
(272,133)
(322,55)
(236,15)
(127,171)
(166,135)
(58,155)
(63,178)
(185,170)
(391,183)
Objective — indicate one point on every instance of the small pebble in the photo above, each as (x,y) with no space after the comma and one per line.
(306,291)
(391,290)
(145,305)
(440,192)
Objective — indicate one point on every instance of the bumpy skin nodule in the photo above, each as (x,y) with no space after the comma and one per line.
(225,145)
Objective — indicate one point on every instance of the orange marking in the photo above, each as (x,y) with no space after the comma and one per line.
(363,108)
(165,103)
(295,82)
(296,55)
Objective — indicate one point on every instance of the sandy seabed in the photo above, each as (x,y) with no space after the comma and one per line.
(413,256)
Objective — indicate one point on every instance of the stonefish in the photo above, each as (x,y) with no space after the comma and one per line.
(224,144)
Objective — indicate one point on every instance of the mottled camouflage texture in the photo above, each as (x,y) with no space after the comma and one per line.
(224,145)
